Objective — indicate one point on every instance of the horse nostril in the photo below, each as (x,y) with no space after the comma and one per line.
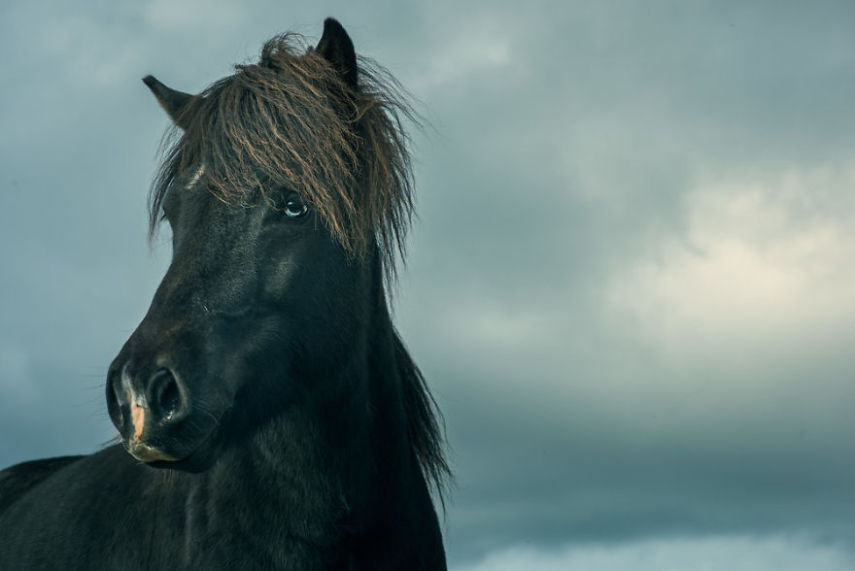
(116,400)
(167,402)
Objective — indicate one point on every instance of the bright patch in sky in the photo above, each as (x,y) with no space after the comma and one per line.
(702,554)
(762,261)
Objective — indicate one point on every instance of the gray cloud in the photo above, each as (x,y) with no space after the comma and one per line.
(628,284)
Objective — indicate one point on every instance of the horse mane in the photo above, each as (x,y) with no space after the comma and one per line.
(291,121)
(424,422)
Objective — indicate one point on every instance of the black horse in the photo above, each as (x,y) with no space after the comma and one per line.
(270,416)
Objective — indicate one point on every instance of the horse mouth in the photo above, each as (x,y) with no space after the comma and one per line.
(194,458)
(146,453)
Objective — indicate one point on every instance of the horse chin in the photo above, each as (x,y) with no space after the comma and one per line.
(201,460)
(145,453)
(198,459)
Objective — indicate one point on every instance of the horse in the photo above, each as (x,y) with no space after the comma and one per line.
(269,414)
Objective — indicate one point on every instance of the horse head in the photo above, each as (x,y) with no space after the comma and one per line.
(288,182)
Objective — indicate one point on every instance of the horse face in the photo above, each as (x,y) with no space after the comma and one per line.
(260,303)
(243,317)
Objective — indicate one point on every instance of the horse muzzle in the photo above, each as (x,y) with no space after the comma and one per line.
(150,410)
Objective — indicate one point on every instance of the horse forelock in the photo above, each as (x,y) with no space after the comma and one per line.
(291,121)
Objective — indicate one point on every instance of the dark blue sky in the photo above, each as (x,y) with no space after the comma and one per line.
(631,283)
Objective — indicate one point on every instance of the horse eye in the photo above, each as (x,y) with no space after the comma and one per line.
(295,208)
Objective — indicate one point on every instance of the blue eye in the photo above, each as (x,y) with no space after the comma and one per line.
(295,208)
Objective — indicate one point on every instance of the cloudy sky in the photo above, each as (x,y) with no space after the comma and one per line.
(631,286)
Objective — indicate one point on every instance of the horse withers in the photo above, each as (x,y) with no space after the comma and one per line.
(269,414)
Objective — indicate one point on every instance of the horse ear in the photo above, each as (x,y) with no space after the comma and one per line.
(176,103)
(337,48)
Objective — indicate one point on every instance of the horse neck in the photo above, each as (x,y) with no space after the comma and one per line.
(327,462)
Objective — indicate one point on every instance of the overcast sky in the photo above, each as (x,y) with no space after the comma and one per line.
(631,285)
